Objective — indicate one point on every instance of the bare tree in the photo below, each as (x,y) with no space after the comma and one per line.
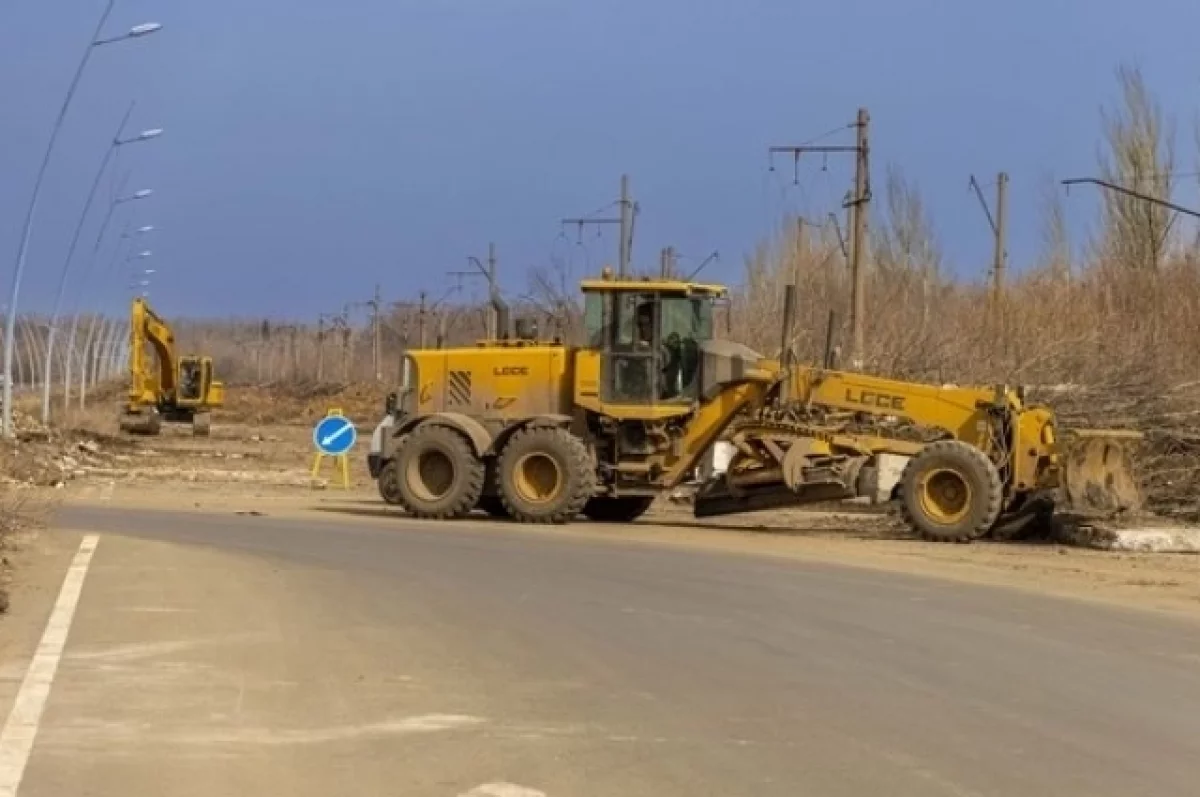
(905,245)
(1139,153)
(1056,240)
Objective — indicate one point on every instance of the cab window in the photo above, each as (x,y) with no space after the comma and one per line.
(686,323)
(595,319)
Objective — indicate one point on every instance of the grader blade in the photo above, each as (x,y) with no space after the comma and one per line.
(1097,472)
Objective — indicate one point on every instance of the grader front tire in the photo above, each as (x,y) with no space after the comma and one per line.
(438,474)
(950,492)
(389,483)
(546,476)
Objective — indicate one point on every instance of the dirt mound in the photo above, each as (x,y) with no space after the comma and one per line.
(41,456)
(301,402)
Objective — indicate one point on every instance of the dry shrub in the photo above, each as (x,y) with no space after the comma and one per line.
(18,514)
(302,402)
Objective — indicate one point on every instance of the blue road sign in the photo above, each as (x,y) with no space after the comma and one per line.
(334,435)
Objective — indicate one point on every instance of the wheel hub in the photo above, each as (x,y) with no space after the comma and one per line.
(431,475)
(945,496)
(538,478)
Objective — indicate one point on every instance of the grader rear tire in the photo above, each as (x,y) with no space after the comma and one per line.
(950,492)
(546,476)
(626,509)
(438,475)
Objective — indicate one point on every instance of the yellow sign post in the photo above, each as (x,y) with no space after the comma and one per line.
(334,436)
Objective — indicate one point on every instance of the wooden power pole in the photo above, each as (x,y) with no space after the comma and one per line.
(421,322)
(377,340)
(1001,255)
(624,220)
(320,349)
(862,196)
(999,226)
(857,205)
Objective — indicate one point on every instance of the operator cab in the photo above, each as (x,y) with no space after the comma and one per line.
(649,334)
(194,380)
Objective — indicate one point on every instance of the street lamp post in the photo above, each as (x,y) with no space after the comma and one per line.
(88,345)
(23,248)
(114,145)
(142,194)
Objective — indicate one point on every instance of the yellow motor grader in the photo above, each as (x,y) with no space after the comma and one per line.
(542,432)
(174,387)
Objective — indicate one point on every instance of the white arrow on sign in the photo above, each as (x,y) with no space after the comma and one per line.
(328,439)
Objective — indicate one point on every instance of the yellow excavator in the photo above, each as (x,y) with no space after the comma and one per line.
(165,385)
(542,432)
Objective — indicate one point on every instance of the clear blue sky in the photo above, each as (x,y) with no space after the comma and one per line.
(314,148)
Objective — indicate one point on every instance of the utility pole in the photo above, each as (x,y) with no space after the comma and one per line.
(1001,255)
(345,353)
(492,315)
(493,289)
(666,263)
(264,338)
(626,227)
(862,196)
(628,209)
(376,343)
(320,349)
(421,311)
(335,319)
(857,204)
(999,225)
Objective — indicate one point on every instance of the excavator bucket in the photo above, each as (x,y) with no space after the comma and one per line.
(145,422)
(1098,476)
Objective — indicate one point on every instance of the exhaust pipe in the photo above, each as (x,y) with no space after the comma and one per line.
(501,308)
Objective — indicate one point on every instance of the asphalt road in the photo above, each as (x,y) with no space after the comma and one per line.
(322,656)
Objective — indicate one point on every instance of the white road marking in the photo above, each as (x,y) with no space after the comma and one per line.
(502,790)
(112,735)
(16,740)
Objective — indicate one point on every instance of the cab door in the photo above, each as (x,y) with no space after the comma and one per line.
(630,360)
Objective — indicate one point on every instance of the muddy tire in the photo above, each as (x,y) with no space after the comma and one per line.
(389,482)
(438,475)
(950,492)
(627,509)
(545,476)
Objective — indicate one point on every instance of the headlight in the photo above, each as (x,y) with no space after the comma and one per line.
(1048,434)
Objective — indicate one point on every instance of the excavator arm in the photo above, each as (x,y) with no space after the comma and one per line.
(150,383)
